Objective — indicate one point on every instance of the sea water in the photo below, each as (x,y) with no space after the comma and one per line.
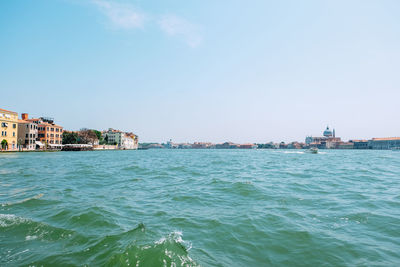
(200,207)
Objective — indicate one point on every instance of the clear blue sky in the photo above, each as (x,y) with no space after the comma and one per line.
(205,70)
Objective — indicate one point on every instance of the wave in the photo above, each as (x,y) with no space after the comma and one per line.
(38,196)
(171,250)
(127,249)
(29,229)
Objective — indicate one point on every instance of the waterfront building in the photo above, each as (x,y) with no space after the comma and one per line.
(269,145)
(185,146)
(121,139)
(360,144)
(328,140)
(135,138)
(127,142)
(295,145)
(27,133)
(9,130)
(49,133)
(384,143)
(345,145)
(226,145)
(248,146)
(202,145)
(282,145)
(170,144)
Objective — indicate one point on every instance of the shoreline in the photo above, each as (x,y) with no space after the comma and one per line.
(221,149)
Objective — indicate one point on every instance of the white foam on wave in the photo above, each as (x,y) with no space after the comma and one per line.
(175,236)
(30,237)
(7,220)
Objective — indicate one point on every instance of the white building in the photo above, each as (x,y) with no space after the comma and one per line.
(121,139)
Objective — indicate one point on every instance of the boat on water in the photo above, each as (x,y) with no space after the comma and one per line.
(313,150)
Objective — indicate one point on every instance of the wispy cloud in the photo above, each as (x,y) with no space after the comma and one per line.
(126,16)
(176,26)
(122,16)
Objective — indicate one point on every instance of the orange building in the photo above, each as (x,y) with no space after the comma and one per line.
(48,132)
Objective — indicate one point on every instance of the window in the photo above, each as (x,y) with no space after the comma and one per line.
(27,126)
(26,136)
(48,128)
(5,133)
(14,125)
(13,134)
(4,124)
(52,129)
(56,135)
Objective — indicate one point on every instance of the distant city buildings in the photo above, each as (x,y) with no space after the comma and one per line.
(42,134)
(328,140)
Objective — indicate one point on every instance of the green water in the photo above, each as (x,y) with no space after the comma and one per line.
(200,207)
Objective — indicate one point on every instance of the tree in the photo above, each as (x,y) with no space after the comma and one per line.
(87,136)
(100,137)
(4,144)
(69,138)
(98,134)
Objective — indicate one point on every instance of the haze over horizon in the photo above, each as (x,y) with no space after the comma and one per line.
(205,70)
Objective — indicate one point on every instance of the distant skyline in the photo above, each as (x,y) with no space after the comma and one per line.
(214,71)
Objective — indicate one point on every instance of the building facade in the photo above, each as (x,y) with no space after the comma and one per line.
(384,143)
(328,140)
(132,141)
(9,130)
(27,133)
(121,139)
(360,144)
(49,133)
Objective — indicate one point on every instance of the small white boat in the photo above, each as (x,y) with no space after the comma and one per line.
(313,150)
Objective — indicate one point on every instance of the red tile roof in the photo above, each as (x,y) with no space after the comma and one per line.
(386,139)
(4,110)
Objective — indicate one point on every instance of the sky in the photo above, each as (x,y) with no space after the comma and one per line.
(205,70)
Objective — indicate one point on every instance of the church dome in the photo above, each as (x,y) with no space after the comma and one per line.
(327,132)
